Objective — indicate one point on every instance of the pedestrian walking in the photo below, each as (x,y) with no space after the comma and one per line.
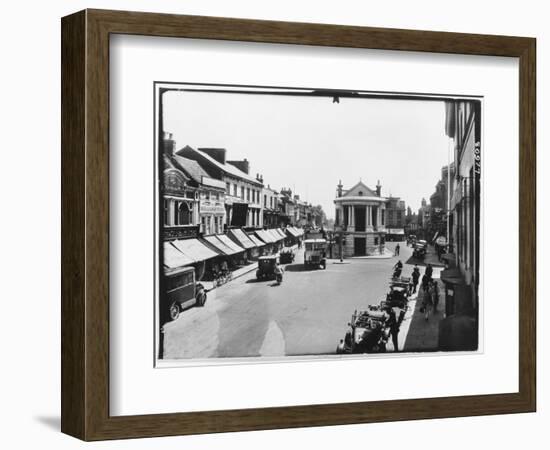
(429,270)
(427,302)
(425,283)
(397,250)
(394,324)
(415,278)
(435,295)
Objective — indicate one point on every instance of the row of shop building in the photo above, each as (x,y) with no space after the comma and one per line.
(202,187)
(211,254)
(215,215)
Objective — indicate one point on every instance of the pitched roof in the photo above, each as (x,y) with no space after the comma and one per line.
(360,189)
(227,168)
(191,168)
(167,163)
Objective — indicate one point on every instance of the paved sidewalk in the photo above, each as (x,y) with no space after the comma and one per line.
(209,285)
(421,334)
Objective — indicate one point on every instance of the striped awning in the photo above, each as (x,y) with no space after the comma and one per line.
(257,242)
(264,236)
(292,231)
(174,258)
(274,235)
(220,246)
(229,243)
(194,249)
(240,236)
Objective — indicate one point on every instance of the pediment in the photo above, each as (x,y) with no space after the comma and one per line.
(360,190)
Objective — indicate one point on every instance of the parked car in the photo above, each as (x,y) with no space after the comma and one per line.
(367,332)
(181,292)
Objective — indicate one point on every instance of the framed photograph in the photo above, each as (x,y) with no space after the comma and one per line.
(273,225)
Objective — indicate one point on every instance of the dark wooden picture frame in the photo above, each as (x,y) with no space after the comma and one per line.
(85,224)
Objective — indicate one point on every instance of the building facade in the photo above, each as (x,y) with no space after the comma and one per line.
(360,217)
(463,125)
(396,212)
(271,210)
(243,192)
(461,276)
(180,197)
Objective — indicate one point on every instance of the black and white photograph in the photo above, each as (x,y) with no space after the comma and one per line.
(311,222)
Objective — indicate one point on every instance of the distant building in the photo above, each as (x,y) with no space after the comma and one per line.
(411,222)
(288,206)
(271,212)
(396,211)
(361,215)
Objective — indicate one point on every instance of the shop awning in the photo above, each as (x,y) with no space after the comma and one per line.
(299,231)
(396,231)
(274,235)
(220,246)
(264,236)
(229,243)
(241,237)
(174,258)
(257,242)
(280,233)
(292,231)
(194,249)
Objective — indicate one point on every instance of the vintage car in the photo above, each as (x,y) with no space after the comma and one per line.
(420,248)
(287,255)
(315,253)
(266,267)
(400,290)
(182,292)
(367,332)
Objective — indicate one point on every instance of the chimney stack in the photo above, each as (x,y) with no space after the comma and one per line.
(243,165)
(217,153)
(169,144)
(378,188)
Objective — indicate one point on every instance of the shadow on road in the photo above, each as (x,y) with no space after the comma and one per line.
(419,262)
(300,268)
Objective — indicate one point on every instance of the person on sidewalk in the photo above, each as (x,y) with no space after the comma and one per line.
(427,300)
(415,278)
(429,271)
(394,324)
(435,295)
(425,283)
(397,250)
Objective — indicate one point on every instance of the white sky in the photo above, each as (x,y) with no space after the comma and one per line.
(308,144)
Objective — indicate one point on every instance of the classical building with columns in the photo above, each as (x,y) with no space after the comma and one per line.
(361,215)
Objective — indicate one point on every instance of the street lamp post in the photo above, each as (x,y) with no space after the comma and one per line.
(338,229)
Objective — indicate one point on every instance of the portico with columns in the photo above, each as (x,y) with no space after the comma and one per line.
(361,215)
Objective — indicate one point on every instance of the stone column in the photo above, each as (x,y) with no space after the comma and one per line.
(352,209)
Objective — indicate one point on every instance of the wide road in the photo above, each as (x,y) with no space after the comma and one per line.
(307,314)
